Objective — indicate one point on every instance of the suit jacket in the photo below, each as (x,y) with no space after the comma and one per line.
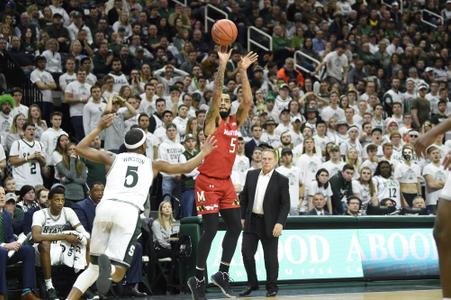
(276,202)
(86,211)
(313,212)
(7,225)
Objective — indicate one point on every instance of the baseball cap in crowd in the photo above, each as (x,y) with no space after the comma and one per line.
(423,87)
(428,69)
(270,121)
(414,133)
(353,127)
(286,151)
(391,121)
(296,119)
(342,122)
(283,86)
(270,98)
(11,197)
(189,136)
(174,88)
(310,109)
(57,15)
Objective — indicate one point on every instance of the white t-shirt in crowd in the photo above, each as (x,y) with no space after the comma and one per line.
(79,91)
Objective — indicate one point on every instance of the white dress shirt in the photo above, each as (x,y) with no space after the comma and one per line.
(260,191)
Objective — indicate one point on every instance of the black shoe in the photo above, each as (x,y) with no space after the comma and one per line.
(51,294)
(221,280)
(197,288)
(248,291)
(132,290)
(103,283)
(271,293)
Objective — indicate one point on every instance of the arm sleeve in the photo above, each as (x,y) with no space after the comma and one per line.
(63,170)
(38,218)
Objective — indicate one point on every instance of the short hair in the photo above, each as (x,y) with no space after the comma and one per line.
(56,190)
(385,145)
(371,147)
(91,186)
(16,90)
(348,200)
(56,113)
(347,167)
(271,150)
(141,115)
(115,59)
(26,124)
(95,86)
(160,100)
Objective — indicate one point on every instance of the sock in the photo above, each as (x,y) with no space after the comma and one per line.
(25,291)
(199,273)
(113,269)
(224,268)
(48,284)
(87,278)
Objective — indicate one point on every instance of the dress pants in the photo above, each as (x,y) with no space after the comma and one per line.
(26,254)
(249,248)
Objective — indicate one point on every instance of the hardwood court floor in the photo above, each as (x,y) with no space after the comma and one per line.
(398,295)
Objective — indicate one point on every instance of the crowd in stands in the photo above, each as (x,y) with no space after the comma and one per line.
(345,128)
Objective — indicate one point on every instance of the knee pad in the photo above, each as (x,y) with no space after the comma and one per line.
(87,278)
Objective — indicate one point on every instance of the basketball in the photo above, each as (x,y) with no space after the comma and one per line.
(224,32)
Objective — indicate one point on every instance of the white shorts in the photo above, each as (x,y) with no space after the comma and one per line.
(115,231)
(446,191)
(55,254)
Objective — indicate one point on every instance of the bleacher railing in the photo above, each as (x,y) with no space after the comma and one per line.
(252,41)
(306,63)
(182,3)
(426,12)
(15,77)
(212,14)
(389,5)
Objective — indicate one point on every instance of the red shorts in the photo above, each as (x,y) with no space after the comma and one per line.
(213,195)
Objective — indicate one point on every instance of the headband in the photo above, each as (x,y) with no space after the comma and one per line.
(137,144)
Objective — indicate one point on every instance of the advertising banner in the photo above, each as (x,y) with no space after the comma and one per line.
(340,253)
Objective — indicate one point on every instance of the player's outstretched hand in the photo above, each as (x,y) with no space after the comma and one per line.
(209,144)
(105,121)
(224,54)
(248,60)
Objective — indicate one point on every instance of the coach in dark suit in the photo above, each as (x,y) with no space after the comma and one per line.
(265,204)
(318,206)
(24,253)
(86,211)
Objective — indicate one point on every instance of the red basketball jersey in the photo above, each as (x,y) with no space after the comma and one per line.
(219,162)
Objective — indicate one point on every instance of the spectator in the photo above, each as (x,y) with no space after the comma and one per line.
(354,206)
(76,95)
(188,200)
(319,185)
(27,198)
(289,73)
(73,175)
(45,83)
(42,201)
(116,73)
(96,171)
(53,57)
(240,166)
(341,185)
(337,66)
(6,117)
(58,31)
(24,253)
(295,176)
(421,108)
(17,94)
(26,158)
(170,151)
(114,135)
(49,137)
(408,174)
(16,131)
(318,206)
(386,185)
(93,109)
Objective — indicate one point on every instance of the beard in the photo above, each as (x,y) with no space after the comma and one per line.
(224,114)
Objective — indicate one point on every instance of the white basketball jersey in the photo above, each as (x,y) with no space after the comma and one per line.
(29,172)
(129,179)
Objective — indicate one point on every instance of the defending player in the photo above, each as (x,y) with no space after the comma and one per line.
(116,226)
(442,227)
(214,190)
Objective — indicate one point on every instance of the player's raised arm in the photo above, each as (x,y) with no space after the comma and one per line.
(246,103)
(212,118)
(428,138)
(163,166)
(84,146)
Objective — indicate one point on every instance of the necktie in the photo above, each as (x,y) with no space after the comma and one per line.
(2,231)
